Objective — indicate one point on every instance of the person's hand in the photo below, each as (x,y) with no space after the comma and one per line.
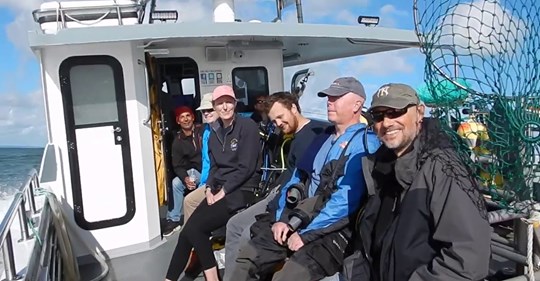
(218,196)
(209,196)
(295,242)
(280,231)
(189,183)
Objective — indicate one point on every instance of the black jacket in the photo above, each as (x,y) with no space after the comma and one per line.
(234,160)
(436,227)
(186,152)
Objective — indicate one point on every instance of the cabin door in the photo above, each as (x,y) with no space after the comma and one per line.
(178,80)
(97,141)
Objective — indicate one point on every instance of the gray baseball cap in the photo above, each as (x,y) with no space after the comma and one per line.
(344,85)
(394,95)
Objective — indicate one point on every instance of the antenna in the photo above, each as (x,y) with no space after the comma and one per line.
(152,9)
(281,4)
(299,14)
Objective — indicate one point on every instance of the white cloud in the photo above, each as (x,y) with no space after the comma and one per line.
(202,10)
(320,9)
(383,64)
(22,120)
(390,9)
(390,16)
(263,10)
(347,17)
(17,31)
(484,26)
(20,5)
(188,11)
(316,11)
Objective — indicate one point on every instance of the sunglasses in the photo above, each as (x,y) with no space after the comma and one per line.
(391,113)
(205,111)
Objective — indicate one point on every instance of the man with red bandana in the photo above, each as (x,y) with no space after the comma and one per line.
(186,161)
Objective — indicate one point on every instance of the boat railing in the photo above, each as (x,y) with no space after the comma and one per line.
(18,208)
(122,10)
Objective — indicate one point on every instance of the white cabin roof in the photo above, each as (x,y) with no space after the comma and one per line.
(305,43)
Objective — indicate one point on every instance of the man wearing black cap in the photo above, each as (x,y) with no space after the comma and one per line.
(426,219)
(310,225)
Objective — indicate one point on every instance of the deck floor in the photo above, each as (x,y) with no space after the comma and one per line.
(150,265)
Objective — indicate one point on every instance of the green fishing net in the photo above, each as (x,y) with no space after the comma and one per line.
(482,81)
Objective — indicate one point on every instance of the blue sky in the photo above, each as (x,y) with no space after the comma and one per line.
(22,120)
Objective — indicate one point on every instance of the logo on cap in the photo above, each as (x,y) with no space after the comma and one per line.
(383,92)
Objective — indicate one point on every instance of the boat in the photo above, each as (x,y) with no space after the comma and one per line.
(110,79)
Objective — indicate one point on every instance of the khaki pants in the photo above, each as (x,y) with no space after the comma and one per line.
(192,201)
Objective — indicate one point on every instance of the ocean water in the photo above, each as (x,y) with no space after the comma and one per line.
(15,163)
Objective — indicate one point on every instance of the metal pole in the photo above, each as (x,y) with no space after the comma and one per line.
(524,277)
(278,9)
(9,259)
(22,221)
(507,253)
(501,240)
(32,200)
(152,8)
(299,11)
(119,15)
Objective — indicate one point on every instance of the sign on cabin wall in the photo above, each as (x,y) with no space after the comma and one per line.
(211,77)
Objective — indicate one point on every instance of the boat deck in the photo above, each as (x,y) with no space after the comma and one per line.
(149,265)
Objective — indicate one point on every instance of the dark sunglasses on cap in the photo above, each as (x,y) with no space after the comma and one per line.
(390,113)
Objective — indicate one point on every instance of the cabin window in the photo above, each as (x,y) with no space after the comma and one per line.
(188,87)
(93,92)
(250,82)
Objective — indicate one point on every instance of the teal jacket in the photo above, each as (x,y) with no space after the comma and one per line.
(205,158)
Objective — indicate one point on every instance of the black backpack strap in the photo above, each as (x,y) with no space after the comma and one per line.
(309,208)
(370,184)
(340,165)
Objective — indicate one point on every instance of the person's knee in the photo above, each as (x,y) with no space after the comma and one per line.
(189,200)
(248,252)
(178,185)
(237,224)
(242,238)
(192,230)
(292,270)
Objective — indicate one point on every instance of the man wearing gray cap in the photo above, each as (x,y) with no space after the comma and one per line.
(310,224)
(425,218)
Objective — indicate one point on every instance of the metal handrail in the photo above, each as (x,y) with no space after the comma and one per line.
(61,11)
(17,207)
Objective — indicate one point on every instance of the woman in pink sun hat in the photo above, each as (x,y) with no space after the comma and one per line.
(233,147)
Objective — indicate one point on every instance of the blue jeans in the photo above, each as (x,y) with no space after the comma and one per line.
(178,196)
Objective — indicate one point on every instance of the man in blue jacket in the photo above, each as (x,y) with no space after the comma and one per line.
(327,187)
